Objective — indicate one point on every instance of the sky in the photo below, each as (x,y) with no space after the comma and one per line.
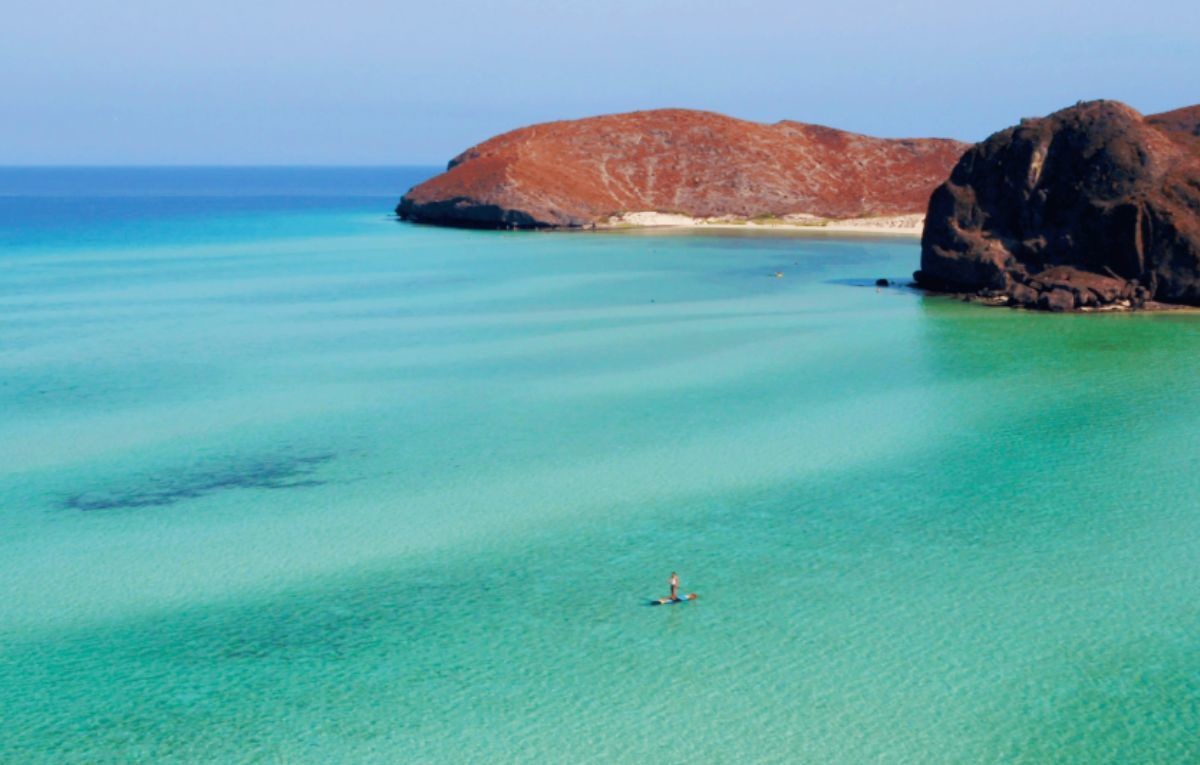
(139,82)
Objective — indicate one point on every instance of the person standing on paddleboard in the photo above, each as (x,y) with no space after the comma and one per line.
(674,582)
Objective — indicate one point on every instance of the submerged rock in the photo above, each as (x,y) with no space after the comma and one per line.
(582,172)
(1092,207)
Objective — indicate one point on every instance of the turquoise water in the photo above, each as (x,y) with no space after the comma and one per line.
(283,480)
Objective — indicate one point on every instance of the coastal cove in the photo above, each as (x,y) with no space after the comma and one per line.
(893,225)
(285,479)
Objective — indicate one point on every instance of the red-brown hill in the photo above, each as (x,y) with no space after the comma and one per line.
(1185,120)
(578,172)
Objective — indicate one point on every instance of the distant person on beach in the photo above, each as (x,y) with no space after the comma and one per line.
(674,582)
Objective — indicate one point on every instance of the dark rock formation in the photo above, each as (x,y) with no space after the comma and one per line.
(580,172)
(1091,207)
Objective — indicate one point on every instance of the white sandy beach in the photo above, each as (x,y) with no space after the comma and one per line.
(898,225)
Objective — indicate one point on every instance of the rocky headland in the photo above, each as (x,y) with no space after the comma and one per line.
(688,164)
(1094,207)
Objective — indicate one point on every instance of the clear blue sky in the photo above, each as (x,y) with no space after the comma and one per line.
(406,82)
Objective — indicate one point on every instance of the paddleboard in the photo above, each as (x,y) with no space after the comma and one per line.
(671,602)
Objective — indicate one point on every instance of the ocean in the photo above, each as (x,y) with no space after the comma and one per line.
(285,480)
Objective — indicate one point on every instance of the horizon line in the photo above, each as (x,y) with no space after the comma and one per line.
(212,166)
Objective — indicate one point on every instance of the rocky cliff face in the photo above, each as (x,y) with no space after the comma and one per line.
(576,173)
(1091,207)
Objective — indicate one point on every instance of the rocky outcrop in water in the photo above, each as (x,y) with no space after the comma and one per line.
(1093,207)
(580,172)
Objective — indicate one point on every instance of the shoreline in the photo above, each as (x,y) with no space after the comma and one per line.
(908,226)
(1123,307)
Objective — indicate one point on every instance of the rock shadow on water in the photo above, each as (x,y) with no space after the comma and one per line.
(280,472)
(883,282)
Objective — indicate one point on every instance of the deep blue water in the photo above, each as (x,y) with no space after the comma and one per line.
(79,207)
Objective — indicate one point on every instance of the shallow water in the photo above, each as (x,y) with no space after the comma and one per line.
(286,480)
